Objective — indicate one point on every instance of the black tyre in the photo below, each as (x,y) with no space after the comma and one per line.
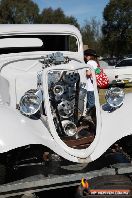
(122,85)
(2,174)
(29,196)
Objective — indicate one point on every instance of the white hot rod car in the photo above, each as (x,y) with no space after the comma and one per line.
(43,95)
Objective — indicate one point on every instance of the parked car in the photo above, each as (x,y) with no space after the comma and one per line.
(121,73)
(43,95)
(129,56)
(111,61)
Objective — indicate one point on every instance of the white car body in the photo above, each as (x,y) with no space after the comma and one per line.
(121,73)
(18,74)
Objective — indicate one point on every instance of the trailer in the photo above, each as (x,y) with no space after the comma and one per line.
(38,183)
(111,170)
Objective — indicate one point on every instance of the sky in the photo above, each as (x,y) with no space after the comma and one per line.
(82,10)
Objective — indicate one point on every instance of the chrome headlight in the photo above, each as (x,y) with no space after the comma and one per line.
(58,90)
(30,103)
(115,96)
(70,128)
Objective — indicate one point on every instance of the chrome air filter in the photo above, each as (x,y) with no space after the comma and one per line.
(65,109)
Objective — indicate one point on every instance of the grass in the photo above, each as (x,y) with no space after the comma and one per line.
(102,96)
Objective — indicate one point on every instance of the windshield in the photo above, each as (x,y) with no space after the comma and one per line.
(125,63)
(26,43)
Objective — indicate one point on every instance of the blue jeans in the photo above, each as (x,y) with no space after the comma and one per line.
(90,99)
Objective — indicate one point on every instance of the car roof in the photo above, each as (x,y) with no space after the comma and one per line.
(125,59)
(6,29)
(13,30)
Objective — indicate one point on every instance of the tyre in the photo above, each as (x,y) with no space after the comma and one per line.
(122,85)
(2,174)
(29,196)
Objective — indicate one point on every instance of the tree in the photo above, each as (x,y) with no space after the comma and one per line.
(57,16)
(117,27)
(26,11)
(91,34)
(14,11)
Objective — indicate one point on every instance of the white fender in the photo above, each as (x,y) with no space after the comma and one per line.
(115,125)
(17,131)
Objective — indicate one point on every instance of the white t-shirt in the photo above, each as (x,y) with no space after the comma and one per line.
(89,84)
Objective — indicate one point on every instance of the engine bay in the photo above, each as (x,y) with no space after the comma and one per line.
(68,96)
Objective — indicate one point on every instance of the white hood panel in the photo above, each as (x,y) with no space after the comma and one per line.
(25,66)
(21,76)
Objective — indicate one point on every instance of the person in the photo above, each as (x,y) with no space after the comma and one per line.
(90,57)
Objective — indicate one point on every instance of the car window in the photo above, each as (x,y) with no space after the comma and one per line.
(103,64)
(110,61)
(23,43)
(20,42)
(124,63)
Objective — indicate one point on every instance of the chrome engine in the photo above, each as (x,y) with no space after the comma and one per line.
(68,100)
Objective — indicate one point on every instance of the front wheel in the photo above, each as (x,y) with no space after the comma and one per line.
(29,196)
(3,172)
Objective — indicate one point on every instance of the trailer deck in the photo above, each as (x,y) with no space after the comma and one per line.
(39,183)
